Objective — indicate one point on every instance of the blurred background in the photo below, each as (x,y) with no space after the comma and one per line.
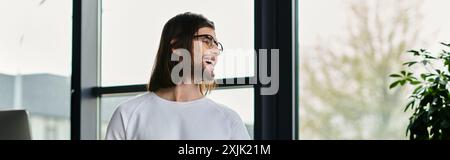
(347,50)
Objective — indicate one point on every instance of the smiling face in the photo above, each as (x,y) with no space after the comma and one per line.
(205,51)
(195,34)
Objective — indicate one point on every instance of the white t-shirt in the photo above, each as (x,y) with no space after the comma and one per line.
(149,116)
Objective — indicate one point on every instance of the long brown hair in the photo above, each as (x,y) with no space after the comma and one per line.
(178,33)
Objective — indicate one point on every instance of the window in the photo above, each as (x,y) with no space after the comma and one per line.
(130,34)
(35,63)
(346,55)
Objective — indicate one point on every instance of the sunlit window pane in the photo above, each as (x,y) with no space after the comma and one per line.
(35,63)
(131,34)
(347,50)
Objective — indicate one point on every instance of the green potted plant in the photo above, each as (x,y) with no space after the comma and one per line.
(430,100)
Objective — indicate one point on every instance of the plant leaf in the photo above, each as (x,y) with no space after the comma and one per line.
(394,84)
(438,71)
(395,76)
(409,105)
(417,90)
(424,76)
(429,56)
(448,45)
(402,82)
(414,52)
(415,82)
(409,64)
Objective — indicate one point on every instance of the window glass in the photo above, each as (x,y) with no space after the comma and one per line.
(35,63)
(131,34)
(346,55)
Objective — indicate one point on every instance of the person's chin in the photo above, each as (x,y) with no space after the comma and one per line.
(209,77)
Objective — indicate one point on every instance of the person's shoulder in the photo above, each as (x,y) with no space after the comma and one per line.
(132,103)
(225,110)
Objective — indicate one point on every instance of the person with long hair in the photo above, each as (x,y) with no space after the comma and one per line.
(179,111)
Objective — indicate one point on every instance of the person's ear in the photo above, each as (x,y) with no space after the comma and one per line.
(173,50)
(181,53)
(172,42)
(176,52)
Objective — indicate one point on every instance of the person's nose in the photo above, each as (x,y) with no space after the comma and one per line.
(214,59)
(211,56)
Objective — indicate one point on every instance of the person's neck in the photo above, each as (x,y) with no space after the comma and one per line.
(181,93)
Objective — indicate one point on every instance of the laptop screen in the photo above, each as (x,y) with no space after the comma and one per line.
(14,125)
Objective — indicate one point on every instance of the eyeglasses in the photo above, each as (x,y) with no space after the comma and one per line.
(209,41)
